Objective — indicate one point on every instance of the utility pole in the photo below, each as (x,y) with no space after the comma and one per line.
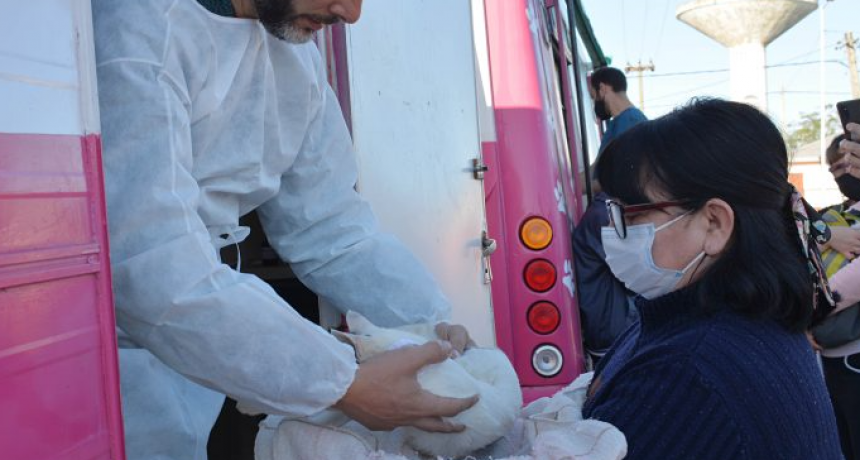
(639,67)
(822,110)
(850,45)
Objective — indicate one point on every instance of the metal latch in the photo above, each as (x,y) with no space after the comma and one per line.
(478,168)
(488,246)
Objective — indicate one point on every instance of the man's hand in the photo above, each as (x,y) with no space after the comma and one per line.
(846,240)
(456,335)
(385,393)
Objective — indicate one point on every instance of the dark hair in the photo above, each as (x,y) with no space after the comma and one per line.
(833,149)
(609,76)
(711,148)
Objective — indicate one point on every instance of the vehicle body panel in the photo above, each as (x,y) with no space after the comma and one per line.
(58,367)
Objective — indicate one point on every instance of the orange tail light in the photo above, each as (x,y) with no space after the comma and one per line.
(536,233)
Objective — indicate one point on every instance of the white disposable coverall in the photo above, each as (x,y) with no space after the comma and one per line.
(204,119)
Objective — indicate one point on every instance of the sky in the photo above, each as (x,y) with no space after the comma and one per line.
(630,31)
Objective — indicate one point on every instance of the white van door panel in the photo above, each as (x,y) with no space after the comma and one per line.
(416,130)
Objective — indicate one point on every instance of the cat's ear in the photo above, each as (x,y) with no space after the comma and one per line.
(359,324)
(365,347)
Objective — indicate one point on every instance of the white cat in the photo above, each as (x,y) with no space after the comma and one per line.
(485,372)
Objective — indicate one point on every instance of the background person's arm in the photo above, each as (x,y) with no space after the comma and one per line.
(845,240)
(847,283)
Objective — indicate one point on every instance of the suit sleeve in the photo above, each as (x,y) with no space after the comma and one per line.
(226,330)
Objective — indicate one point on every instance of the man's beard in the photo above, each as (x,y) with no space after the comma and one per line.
(279,18)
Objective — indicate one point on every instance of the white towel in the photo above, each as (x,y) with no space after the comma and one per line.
(547,429)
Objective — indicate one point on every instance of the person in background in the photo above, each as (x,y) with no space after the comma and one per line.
(707,230)
(842,364)
(847,174)
(845,242)
(212,109)
(608,90)
(605,305)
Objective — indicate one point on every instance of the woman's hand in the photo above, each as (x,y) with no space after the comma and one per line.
(851,150)
(846,240)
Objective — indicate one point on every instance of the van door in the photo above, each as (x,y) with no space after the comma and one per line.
(414,117)
(58,368)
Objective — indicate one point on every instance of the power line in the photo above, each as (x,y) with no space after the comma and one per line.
(662,26)
(663,106)
(644,29)
(795,75)
(687,91)
(692,72)
(624,30)
(701,72)
(833,93)
(795,64)
(815,51)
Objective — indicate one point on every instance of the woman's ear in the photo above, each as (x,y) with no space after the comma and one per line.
(721,225)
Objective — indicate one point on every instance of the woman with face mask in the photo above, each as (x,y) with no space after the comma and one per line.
(841,361)
(845,241)
(845,167)
(707,230)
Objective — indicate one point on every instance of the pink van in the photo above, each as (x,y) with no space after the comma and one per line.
(58,367)
(473,114)
(471,132)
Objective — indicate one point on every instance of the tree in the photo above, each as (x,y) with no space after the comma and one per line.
(808,129)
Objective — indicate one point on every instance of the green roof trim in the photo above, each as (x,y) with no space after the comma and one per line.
(583,25)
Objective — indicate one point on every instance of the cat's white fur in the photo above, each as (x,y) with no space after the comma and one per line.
(481,371)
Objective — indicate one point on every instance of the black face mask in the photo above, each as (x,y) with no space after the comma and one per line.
(601,111)
(849,186)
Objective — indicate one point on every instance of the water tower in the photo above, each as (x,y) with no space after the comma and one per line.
(745,27)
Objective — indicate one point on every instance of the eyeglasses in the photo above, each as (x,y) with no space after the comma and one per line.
(618,212)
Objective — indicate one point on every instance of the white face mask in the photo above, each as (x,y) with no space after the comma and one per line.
(631,261)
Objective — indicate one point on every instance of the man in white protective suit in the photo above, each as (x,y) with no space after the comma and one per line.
(210,110)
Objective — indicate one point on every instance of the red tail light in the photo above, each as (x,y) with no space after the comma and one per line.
(540,275)
(544,317)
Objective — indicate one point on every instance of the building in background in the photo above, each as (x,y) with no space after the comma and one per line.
(812,179)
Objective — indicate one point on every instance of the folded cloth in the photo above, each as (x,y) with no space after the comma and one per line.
(547,429)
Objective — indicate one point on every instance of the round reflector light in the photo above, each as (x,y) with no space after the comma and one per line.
(536,233)
(544,317)
(547,360)
(540,275)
